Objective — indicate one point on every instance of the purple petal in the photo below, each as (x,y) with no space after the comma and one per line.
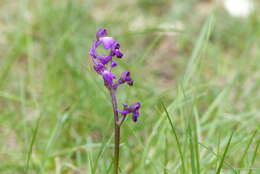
(115,86)
(99,68)
(113,64)
(123,112)
(125,77)
(107,42)
(116,45)
(104,59)
(108,78)
(101,33)
(92,52)
(135,115)
(125,106)
(134,107)
(118,53)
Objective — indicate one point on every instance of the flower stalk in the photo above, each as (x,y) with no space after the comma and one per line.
(117,131)
(116,149)
(103,65)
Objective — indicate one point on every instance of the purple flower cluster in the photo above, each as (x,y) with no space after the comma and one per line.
(134,109)
(103,65)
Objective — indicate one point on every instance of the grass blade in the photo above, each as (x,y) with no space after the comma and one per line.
(192,153)
(196,142)
(246,149)
(176,138)
(199,45)
(216,155)
(166,160)
(102,150)
(55,133)
(224,154)
(254,156)
(34,135)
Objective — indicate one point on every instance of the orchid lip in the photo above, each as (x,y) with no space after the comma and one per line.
(107,42)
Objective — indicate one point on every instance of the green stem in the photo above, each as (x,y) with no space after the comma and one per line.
(117,143)
(117,131)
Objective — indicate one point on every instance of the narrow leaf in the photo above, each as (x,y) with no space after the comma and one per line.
(224,154)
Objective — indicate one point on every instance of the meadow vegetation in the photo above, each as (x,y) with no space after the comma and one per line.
(196,71)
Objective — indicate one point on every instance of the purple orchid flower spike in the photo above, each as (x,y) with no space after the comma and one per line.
(103,65)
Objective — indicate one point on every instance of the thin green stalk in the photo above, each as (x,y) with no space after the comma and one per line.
(117,131)
(117,143)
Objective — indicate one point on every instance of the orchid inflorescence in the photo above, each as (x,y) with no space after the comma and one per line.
(103,65)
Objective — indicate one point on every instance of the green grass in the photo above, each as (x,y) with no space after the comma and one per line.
(55,115)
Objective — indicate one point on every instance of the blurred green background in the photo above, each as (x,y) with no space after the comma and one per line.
(194,56)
